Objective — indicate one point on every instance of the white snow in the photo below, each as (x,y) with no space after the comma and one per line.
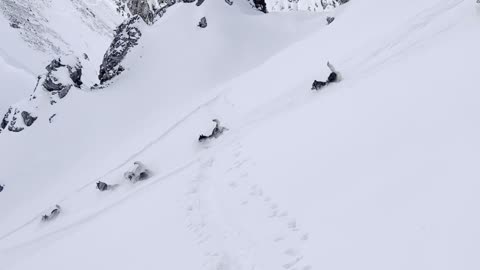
(69,25)
(378,171)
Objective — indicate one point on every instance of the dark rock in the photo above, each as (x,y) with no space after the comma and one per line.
(330,20)
(260,5)
(15,25)
(54,85)
(54,65)
(50,84)
(230,2)
(85,56)
(199,2)
(12,125)
(4,123)
(15,129)
(141,8)
(28,119)
(76,74)
(50,119)
(203,22)
(63,93)
(126,37)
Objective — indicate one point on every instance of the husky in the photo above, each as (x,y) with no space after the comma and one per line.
(102,186)
(137,173)
(334,76)
(55,212)
(216,132)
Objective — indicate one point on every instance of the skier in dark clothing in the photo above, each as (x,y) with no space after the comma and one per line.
(216,132)
(333,77)
(55,212)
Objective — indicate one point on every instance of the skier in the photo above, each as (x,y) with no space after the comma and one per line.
(1,187)
(333,77)
(55,212)
(102,186)
(137,173)
(217,131)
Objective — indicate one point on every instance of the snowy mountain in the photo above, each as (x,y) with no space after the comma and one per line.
(375,171)
(37,31)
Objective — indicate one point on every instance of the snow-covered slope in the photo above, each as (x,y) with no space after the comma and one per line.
(375,172)
(36,31)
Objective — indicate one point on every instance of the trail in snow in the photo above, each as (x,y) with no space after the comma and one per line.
(229,214)
(80,219)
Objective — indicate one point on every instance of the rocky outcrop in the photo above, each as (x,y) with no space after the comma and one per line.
(126,37)
(297,5)
(260,5)
(55,81)
(10,120)
(330,20)
(5,121)
(143,8)
(62,75)
(28,119)
(148,10)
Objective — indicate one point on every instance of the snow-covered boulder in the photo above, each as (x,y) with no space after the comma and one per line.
(126,37)
(148,10)
(62,74)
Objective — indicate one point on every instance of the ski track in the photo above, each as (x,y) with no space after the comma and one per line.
(393,48)
(141,187)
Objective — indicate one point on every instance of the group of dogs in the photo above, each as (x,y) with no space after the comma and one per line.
(139,172)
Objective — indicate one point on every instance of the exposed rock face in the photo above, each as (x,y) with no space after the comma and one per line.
(126,37)
(330,20)
(148,10)
(55,81)
(12,123)
(28,119)
(62,75)
(260,5)
(142,8)
(4,123)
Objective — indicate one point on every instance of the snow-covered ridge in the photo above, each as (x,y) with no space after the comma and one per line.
(36,31)
(297,5)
